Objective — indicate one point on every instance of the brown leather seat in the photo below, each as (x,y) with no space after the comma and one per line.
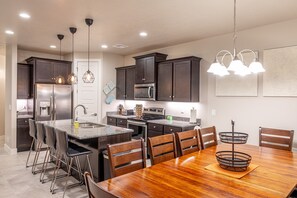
(188,141)
(126,157)
(208,137)
(276,138)
(162,148)
(94,191)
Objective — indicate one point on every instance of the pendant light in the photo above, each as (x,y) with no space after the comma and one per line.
(237,64)
(88,76)
(72,78)
(60,79)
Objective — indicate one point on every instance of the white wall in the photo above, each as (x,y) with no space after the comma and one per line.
(24,54)
(248,112)
(2,90)
(10,98)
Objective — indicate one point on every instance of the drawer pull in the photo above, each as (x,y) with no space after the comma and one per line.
(154,127)
(171,129)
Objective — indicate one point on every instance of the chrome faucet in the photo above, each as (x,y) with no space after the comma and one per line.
(74,109)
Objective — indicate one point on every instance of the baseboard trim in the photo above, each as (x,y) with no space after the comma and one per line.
(10,150)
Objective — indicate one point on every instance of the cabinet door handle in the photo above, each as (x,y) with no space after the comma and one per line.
(171,129)
(154,127)
(169,96)
(172,96)
(26,121)
(143,79)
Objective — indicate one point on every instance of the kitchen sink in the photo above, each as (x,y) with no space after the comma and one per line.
(90,125)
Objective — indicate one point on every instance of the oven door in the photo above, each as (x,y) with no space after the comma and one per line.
(145,92)
(140,129)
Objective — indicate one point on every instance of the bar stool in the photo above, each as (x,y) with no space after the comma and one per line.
(51,143)
(70,151)
(40,141)
(33,134)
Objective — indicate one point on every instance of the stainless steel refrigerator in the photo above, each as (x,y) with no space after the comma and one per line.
(52,102)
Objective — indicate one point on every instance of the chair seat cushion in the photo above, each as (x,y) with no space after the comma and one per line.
(75,150)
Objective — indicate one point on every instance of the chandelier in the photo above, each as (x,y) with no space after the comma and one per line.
(237,64)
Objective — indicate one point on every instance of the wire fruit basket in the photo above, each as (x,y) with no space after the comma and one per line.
(233,160)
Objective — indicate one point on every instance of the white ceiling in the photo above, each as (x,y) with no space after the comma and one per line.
(168,22)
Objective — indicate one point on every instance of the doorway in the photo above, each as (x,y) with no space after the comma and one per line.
(88,94)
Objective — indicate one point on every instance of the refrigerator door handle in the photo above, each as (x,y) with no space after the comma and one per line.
(55,108)
(51,107)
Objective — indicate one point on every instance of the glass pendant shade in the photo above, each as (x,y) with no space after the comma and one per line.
(221,71)
(214,67)
(60,80)
(243,71)
(88,77)
(72,79)
(256,67)
(235,65)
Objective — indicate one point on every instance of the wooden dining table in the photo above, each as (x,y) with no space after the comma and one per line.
(186,176)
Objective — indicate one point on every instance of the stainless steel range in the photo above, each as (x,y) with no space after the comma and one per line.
(139,125)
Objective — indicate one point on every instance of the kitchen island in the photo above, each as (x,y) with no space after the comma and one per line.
(94,138)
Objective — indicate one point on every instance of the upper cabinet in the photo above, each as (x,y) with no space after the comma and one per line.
(24,81)
(146,67)
(178,80)
(46,70)
(125,83)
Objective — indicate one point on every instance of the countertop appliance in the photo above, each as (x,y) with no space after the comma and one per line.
(139,125)
(145,91)
(52,102)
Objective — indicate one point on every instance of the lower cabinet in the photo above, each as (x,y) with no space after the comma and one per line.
(120,122)
(159,129)
(24,140)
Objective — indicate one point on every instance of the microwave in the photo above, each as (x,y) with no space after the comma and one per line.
(145,91)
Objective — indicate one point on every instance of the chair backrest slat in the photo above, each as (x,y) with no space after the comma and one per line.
(276,138)
(162,148)
(188,141)
(126,157)
(95,191)
(208,137)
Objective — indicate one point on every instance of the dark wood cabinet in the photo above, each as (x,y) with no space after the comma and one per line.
(120,122)
(159,129)
(24,81)
(111,121)
(178,80)
(146,67)
(164,91)
(46,70)
(24,140)
(125,83)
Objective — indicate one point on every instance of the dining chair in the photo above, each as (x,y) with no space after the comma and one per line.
(162,148)
(208,137)
(276,138)
(188,141)
(126,157)
(95,191)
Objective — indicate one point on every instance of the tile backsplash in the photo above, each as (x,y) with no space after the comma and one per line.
(25,105)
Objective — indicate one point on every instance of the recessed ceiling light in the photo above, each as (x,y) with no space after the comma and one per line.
(121,46)
(9,32)
(104,46)
(53,46)
(24,15)
(143,34)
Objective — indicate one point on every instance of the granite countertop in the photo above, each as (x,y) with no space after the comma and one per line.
(86,133)
(114,115)
(25,116)
(174,123)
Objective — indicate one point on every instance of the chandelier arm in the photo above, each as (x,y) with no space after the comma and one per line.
(249,50)
(225,53)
